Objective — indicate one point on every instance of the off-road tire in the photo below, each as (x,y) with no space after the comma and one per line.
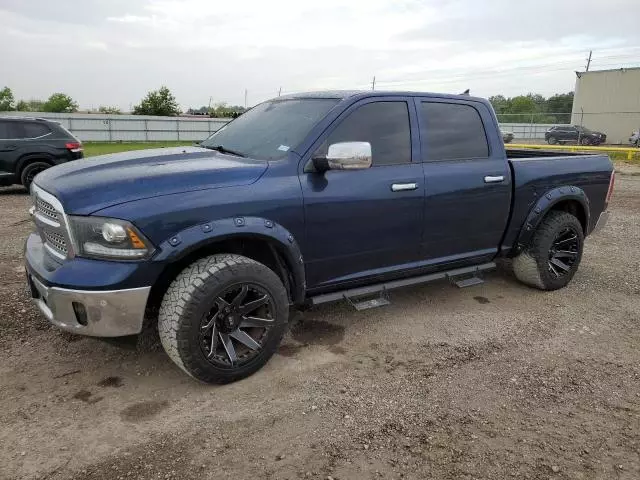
(531,265)
(30,171)
(190,297)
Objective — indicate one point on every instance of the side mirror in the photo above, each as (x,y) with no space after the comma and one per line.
(345,156)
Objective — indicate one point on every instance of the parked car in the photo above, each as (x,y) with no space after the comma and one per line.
(507,137)
(574,133)
(30,145)
(634,139)
(302,200)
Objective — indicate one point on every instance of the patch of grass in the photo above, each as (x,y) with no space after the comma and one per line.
(92,149)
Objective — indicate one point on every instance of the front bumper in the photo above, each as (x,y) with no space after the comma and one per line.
(112,313)
(87,297)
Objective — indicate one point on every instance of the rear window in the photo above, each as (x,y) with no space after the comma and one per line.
(451,131)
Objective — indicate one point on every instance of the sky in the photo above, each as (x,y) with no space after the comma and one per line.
(112,52)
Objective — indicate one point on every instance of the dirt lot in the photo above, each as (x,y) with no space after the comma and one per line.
(490,382)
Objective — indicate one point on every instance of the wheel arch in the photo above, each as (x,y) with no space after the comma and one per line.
(29,158)
(259,239)
(569,199)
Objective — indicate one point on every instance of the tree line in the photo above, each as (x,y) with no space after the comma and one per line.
(159,102)
(531,108)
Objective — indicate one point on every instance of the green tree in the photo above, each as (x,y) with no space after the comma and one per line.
(222,110)
(561,105)
(158,102)
(29,106)
(500,104)
(109,110)
(7,102)
(60,103)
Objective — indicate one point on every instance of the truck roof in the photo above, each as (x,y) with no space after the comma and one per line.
(344,94)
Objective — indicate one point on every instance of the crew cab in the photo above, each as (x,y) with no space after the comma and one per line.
(304,199)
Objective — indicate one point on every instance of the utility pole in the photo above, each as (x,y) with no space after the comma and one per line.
(589,60)
(373,83)
(245,98)
(279,91)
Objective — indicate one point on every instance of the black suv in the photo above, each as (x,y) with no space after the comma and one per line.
(573,133)
(31,145)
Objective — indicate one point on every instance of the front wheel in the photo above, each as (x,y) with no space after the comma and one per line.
(223,317)
(552,258)
(552,140)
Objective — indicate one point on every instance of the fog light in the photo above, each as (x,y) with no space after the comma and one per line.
(81,313)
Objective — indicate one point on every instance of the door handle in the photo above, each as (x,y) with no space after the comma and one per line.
(494,179)
(403,187)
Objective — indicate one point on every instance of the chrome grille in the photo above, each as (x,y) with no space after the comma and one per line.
(56,241)
(50,220)
(46,209)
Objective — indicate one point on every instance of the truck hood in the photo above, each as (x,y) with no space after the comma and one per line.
(85,186)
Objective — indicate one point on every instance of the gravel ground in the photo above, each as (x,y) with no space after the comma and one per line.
(490,382)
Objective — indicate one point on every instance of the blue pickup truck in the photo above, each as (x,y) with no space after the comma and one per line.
(304,199)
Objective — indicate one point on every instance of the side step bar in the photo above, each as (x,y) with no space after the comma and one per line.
(405,282)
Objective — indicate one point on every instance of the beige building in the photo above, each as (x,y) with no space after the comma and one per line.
(608,101)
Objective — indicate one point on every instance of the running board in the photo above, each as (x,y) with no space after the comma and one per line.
(468,282)
(379,301)
(405,282)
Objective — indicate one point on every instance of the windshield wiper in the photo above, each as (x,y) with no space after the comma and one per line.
(221,149)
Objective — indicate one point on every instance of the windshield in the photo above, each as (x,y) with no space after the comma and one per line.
(269,130)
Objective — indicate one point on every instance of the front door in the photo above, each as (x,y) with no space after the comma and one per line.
(467,183)
(362,224)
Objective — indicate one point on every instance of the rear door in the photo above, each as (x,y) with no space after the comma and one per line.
(572,133)
(8,148)
(467,181)
(365,223)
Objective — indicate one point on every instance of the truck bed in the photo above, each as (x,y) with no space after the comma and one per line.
(535,172)
(533,153)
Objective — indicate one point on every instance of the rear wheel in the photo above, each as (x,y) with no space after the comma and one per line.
(30,171)
(223,317)
(552,140)
(552,258)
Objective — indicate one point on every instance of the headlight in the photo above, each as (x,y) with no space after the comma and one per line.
(99,237)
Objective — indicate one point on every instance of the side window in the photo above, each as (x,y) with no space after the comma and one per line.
(385,125)
(4,130)
(451,131)
(33,130)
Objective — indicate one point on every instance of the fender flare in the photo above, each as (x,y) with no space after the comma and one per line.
(545,203)
(28,157)
(181,244)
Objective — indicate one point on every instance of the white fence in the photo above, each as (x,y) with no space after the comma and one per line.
(131,128)
(142,128)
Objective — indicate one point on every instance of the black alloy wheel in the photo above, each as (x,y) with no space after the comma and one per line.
(234,331)
(564,252)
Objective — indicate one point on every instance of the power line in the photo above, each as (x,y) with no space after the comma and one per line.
(445,77)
